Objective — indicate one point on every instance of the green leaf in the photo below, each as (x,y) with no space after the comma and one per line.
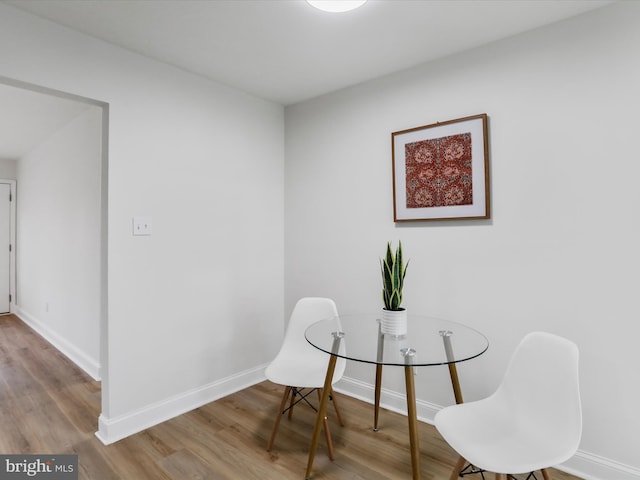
(393,272)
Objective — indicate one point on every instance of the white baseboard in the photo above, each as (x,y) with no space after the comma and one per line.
(73,353)
(111,430)
(583,464)
(389,399)
(594,467)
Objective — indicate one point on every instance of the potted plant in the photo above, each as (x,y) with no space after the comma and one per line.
(394,269)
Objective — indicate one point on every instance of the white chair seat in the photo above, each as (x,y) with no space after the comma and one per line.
(501,442)
(302,374)
(533,421)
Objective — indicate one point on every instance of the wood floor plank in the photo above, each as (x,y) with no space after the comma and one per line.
(48,405)
(93,461)
(185,464)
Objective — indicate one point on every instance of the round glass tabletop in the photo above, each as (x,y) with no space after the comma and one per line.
(428,341)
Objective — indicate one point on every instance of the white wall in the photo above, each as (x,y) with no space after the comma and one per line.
(58,256)
(561,250)
(203,160)
(7,169)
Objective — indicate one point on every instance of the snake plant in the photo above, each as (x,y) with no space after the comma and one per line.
(393,271)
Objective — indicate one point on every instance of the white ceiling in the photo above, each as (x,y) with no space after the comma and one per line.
(285,50)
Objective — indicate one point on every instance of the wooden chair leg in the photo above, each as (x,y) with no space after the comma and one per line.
(287,392)
(291,392)
(501,476)
(336,408)
(455,473)
(294,390)
(545,474)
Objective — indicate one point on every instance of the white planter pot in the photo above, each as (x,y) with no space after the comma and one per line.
(394,322)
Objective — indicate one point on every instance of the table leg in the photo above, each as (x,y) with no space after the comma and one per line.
(376,410)
(453,371)
(322,408)
(455,383)
(380,357)
(457,392)
(413,421)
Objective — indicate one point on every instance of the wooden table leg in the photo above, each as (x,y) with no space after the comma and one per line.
(455,383)
(413,421)
(457,392)
(380,357)
(322,409)
(376,411)
(451,359)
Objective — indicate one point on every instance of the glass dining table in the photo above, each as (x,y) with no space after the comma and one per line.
(428,342)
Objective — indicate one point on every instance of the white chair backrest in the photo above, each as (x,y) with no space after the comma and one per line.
(307,311)
(541,385)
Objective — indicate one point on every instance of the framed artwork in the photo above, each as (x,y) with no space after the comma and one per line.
(441,171)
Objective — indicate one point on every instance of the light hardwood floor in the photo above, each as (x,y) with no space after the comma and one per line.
(48,405)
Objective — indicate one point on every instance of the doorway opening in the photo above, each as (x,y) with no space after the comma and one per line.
(7,244)
(60,197)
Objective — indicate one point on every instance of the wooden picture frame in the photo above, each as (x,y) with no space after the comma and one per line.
(441,171)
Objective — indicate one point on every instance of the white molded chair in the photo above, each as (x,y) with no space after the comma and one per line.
(532,422)
(302,368)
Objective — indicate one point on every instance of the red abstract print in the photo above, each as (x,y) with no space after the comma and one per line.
(439,172)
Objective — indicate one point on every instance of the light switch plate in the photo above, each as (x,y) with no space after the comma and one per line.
(142,225)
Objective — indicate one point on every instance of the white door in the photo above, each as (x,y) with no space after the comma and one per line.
(5,245)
